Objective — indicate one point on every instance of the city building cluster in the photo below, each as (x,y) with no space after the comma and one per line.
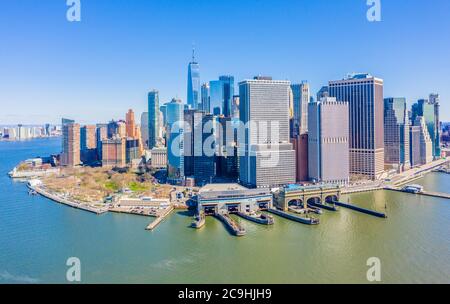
(271,133)
(22,132)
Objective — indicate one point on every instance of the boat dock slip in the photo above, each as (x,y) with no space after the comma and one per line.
(307,221)
(359,209)
(159,219)
(199,221)
(234,227)
(323,206)
(258,218)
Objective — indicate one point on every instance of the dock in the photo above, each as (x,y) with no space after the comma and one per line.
(360,209)
(159,219)
(232,226)
(295,218)
(259,219)
(424,193)
(323,206)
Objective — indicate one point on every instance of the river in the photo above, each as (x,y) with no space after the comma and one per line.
(37,236)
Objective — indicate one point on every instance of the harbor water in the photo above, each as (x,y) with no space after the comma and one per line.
(37,236)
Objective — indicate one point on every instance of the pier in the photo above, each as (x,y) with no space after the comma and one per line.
(159,219)
(258,218)
(323,206)
(292,217)
(362,210)
(424,193)
(232,226)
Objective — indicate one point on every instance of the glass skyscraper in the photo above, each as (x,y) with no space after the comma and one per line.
(396,133)
(175,141)
(217,96)
(153,118)
(429,110)
(193,87)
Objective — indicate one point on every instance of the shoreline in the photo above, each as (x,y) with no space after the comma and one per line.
(66,202)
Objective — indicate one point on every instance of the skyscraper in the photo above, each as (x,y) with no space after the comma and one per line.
(328,151)
(144,129)
(199,146)
(268,158)
(396,133)
(87,137)
(364,93)
(70,156)
(429,109)
(228,93)
(426,142)
(153,118)
(434,100)
(301,96)
(414,145)
(175,141)
(217,96)
(193,87)
(100,135)
(130,124)
(205,98)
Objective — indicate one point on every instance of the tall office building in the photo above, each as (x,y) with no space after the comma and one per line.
(87,137)
(205,98)
(144,129)
(300,144)
(153,118)
(323,92)
(235,107)
(193,87)
(175,141)
(328,149)
(396,133)
(268,158)
(364,93)
(70,156)
(88,144)
(414,145)
(114,152)
(100,135)
(434,100)
(426,142)
(228,93)
(199,146)
(130,124)
(429,109)
(301,97)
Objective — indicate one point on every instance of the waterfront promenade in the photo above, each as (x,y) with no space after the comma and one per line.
(59,199)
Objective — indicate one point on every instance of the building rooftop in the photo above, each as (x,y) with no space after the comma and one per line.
(221,187)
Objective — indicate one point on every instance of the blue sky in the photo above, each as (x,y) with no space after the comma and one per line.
(96,69)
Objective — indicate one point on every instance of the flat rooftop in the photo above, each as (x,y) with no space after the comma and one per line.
(221,188)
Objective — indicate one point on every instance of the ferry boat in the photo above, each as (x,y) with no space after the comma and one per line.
(415,189)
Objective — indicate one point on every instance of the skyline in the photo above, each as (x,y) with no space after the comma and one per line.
(95,70)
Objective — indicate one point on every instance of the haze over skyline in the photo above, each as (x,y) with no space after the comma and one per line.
(96,69)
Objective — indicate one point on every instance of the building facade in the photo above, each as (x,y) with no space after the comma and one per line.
(153,118)
(268,159)
(114,152)
(328,146)
(364,94)
(396,133)
(70,156)
(426,142)
(175,141)
(301,96)
(193,87)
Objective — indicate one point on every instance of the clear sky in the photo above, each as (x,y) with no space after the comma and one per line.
(96,69)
